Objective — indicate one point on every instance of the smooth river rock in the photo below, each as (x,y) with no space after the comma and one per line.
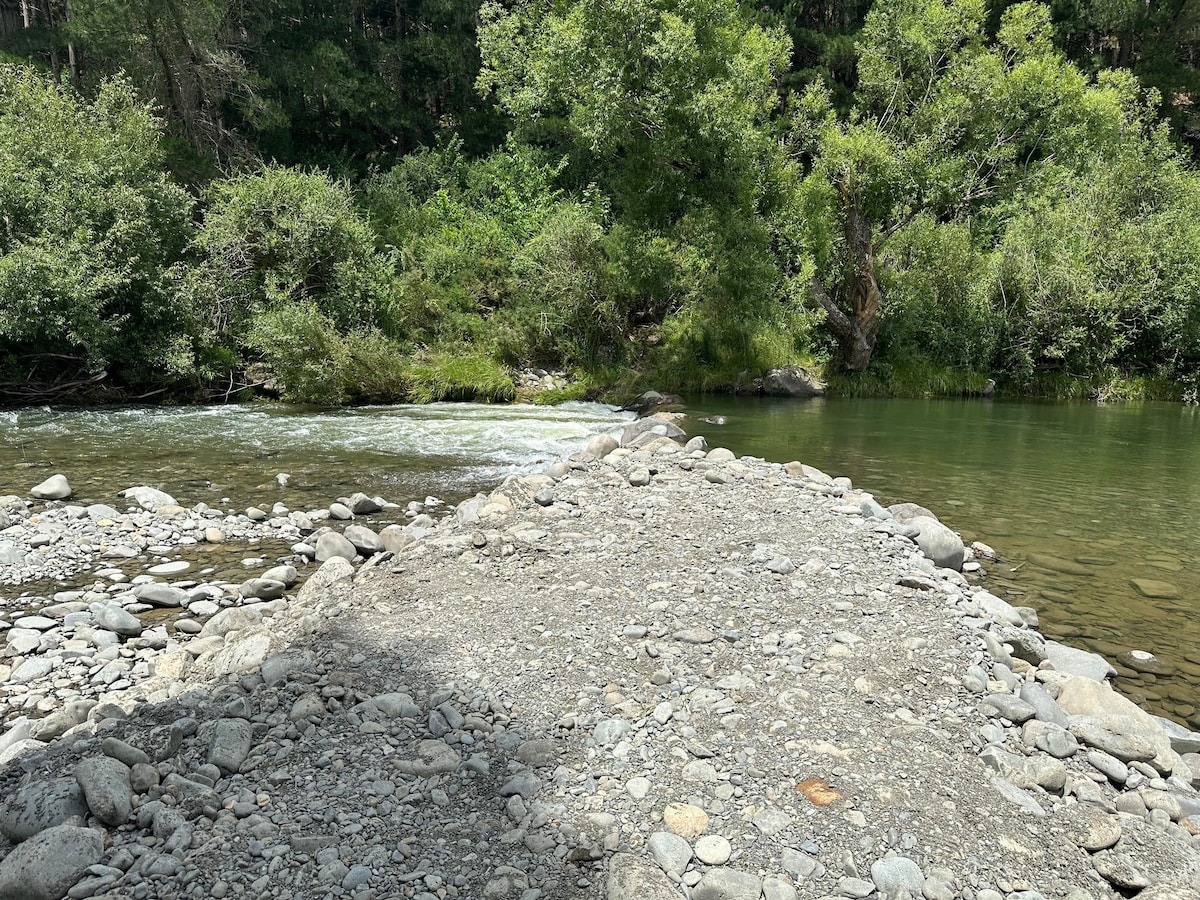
(331,544)
(630,878)
(40,805)
(48,864)
(56,487)
(939,543)
(105,784)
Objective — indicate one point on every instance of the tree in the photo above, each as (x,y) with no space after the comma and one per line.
(947,124)
(671,99)
(89,225)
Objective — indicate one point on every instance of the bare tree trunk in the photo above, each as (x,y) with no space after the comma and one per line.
(856,331)
(72,59)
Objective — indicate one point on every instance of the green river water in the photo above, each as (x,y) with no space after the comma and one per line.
(1080,500)
(1109,493)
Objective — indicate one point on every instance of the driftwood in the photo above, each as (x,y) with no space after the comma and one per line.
(66,388)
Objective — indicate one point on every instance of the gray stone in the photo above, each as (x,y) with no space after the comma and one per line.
(897,873)
(278,668)
(162,595)
(11,554)
(331,545)
(395,538)
(771,821)
(362,505)
(781,565)
(113,618)
(40,805)
(1026,644)
(651,426)
(126,753)
(56,487)
(1107,710)
(713,850)
(778,889)
(335,570)
(98,511)
(524,784)
(1049,738)
(46,865)
(610,731)
(262,589)
(364,540)
(340,511)
(939,543)
(799,865)
(148,497)
(1078,662)
(901,512)
(1115,736)
(395,704)
(1009,707)
(670,851)
(1047,708)
(285,574)
(307,706)
(230,744)
(61,720)
(105,785)
(244,651)
(1109,766)
(792,381)
(601,445)
(1026,772)
(629,878)
(1182,739)
(31,669)
(1121,867)
(230,620)
(728,884)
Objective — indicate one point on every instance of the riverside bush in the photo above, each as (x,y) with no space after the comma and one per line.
(89,225)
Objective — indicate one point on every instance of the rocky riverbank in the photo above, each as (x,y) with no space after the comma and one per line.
(652,672)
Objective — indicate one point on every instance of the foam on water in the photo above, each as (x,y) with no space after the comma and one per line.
(404,451)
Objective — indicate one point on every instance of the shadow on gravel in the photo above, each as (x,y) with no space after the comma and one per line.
(347,766)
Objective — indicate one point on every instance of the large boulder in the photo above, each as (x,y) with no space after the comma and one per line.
(148,497)
(1098,712)
(1074,661)
(41,805)
(651,426)
(47,865)
(56,487)
(105,785)
(792,381)
(331,544)
(939,543)
(652,402)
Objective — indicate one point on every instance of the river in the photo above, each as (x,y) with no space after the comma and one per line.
(1080,500)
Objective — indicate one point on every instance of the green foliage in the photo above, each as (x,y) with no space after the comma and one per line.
(281,238)
(669,98)
(956,188)
(912,379)
(1100,272)
(936,312)
(454,375)
(88,226)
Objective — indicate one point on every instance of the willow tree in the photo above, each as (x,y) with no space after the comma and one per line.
(947,124)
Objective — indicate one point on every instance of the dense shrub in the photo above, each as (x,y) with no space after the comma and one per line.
(89,224)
